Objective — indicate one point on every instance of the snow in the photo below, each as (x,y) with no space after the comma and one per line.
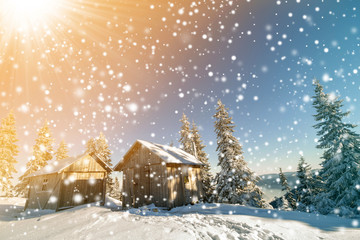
(201,221)
(167,153)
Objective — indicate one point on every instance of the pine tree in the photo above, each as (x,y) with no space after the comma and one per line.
(62,151)
(110,190)
(198,151)
(185,135)
(340,167)
(285,205)
(8,152)
(100,148)
(289,196)
(42,153)
(91,146)
(235,183)
(116,193)
(305,185)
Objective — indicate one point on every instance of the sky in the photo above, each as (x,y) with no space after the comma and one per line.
(130,69)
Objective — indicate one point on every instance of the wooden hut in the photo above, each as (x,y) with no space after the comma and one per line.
(159,174)
(67,183)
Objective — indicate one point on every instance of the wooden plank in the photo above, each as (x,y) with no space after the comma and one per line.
(104,190)
(175,187)
(147,184)
(127,183)
(179,187)
(156,170)
(164,188)
(182,197)
(200,184)
(170,186)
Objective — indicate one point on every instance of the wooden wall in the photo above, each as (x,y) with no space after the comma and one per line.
(80,183)
(81,188)
(184,184)
(39,199)
(144,179)
(147,179)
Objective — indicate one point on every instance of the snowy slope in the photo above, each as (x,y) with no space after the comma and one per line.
(210,221)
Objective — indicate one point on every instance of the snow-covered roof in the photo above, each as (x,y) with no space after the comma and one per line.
(55,166)
(167,153)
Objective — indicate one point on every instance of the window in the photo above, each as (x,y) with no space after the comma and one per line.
(44,186)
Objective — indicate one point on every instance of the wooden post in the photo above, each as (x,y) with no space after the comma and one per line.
(59,200)
(104,189)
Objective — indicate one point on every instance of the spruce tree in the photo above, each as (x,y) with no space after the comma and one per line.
(62,151)
(116,193)
(42,153)
(340,167)
(100,148)
(285,205)
(235,183)
(185,135)
(201,155)
(305,185)
(289,196)
(91,146)
(8,152)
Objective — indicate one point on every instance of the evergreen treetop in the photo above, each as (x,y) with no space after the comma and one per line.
(42,153)
(8,152)
(284,182)
(186,136)
(100,147)
(62,151)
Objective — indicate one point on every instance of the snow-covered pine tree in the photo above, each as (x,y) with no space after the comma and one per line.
(288,192)
(305,185)
(8,152)
(100,147)
(91,146)
(235,183)
(110,191)
(185,135)
(341,166)
(198,151)
(285,204)
(42,153)
(116,188)
(62,151)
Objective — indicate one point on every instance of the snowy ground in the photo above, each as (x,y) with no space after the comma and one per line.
(210,221)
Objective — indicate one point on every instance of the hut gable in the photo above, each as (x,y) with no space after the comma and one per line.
(165,153)
(171,154)
(84,162)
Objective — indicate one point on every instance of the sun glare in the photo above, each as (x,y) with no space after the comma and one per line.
(27,12)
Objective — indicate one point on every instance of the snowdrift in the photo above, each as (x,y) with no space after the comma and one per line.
(201,221)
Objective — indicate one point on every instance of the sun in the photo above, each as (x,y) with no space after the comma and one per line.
(26,13)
